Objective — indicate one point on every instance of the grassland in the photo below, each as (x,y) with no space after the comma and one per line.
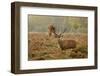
(42,47)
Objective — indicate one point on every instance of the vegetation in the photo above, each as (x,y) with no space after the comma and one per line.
(42,47)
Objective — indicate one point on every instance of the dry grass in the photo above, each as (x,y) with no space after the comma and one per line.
(42,47)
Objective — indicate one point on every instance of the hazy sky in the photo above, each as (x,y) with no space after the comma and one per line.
(39,23)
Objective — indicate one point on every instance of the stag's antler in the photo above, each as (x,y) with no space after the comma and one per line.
(52,29)
(62,32)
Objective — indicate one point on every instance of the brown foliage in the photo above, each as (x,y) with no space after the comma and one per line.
(42,47)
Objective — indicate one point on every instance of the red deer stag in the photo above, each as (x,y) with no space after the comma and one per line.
(63,43)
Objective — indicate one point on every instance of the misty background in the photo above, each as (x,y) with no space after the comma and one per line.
(40,23)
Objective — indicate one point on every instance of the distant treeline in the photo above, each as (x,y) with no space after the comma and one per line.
(39,23)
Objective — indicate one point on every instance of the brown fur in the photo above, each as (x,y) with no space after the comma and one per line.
(67,44)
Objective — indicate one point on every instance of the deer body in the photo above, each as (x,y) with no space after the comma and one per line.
(67,44)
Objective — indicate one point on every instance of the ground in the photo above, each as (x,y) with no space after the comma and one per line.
(43,47)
